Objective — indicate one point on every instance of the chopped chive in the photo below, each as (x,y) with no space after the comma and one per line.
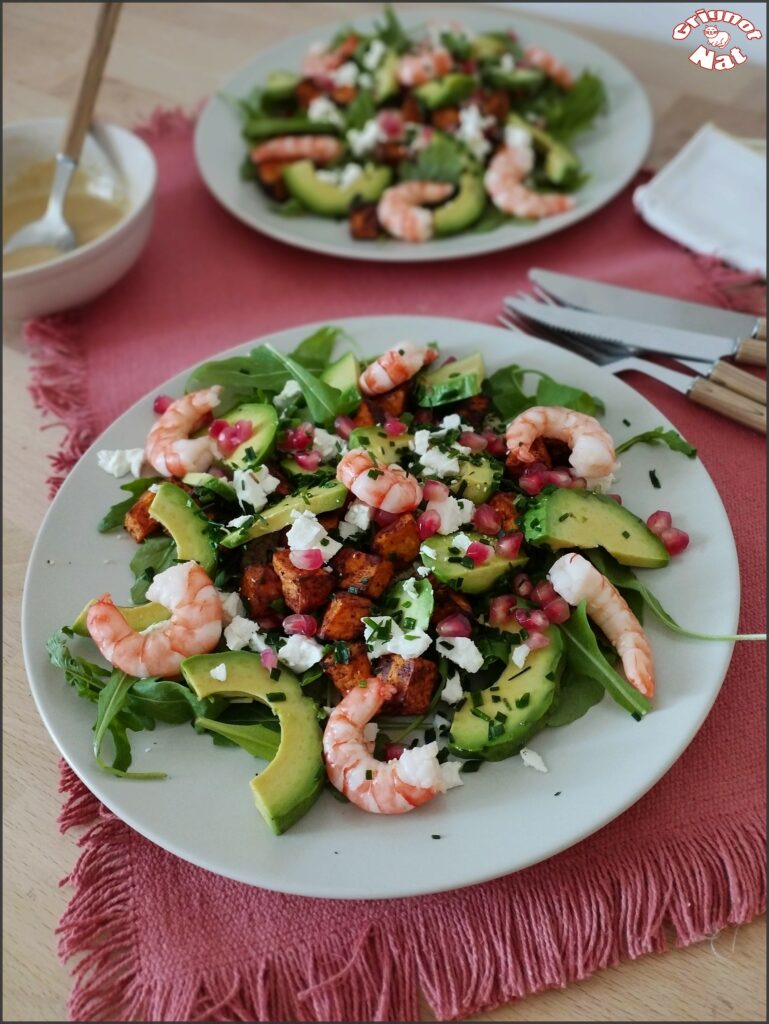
(481,714)
(523,700)
(470,766)
(477,698)
(436,836)
(500,717)
(627,424)
(654,479)
(275,698)
(275,673)
(369,775)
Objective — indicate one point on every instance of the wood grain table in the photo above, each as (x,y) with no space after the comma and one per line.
(174,54)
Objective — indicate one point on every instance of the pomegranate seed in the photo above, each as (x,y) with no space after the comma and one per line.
(243,430)
(675,540)
(431,354)
(455,625)
(304,625)
(391,123)
(308,460)
(217,427)
(510,545)
(434,490)
(479,553)
(531,484)
(522,585)
(557,610)
(449,360)
(344,426)
(215,471)
(227,442)
(560,477)
(531,618)
(487,520)
(312,559)
(269,658)
(296,439)
(536,640)
(579,483)
(161,403)
(475,442)
(659,521)
(543,593)
(393,427)
(615,497)
(428,523)
(501,609)
(393,751)
(495,444)
(382,518)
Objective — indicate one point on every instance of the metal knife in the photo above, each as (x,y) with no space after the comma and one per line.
(645,337)
(648,307)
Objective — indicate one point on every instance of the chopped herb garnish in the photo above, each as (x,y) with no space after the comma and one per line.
(627,424)
(374,473)
(363,683)
(654,479)
(341,652)
(500,717)
(481,714)
(275,673)
(436,836)
(470,766)
(275,698)
(523,700)
(477,698)
(625,534)
(369,775)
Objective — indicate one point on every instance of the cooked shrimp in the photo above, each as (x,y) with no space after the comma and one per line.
(169,448)
(418,68)
(553,68)
(320,63)
(394,367)
(592,447)
(194,627)
(391,787)
(576,579)
(321,149)
(401,212)
(389,488)
(503,180)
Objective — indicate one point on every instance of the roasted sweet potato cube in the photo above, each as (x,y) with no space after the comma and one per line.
(513,465)
(473,410)
(364,417)
(391,153)
(303,589)
(448,602)
(398,541)
(411,110)
(343,618)
(416,679)
(138,521)
(343,94)
(347,675)
(393,403)
(270,174)
(496,104)
(364,223)
(361,573)
(260,589)
(306,92)
(445,118)
(504,505)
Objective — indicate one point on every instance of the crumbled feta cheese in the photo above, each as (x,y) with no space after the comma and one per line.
(329,445)
(451,422)
(520,654)
(323,109)
(306,534)
(462,651)
(239,632)
(452,689)
(346,74)
(437,463)
(472,125)
(232,606)
(428,552)
(343,177)
(462,541)
(517,137)
(239,521)
(419,766)
(506,62)
(365,80)
(372,58)
(154,488)
(363,140)
(253,487)
(219,672)
(452,774)
(357,519)
(453,512)
(300,652)
(121,461)
(421,442)
(169,587)
(532,759)
(287,394)
(441,724)
(258,642)
(411,644)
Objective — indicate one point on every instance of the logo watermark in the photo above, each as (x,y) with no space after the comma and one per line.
(713,25)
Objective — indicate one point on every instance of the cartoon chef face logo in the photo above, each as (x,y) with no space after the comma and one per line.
(716,37)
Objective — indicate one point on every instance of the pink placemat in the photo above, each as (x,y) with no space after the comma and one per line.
(155,938)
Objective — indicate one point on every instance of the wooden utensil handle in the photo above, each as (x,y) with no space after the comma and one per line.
(80,119)
(739,380)
(729,403)
(761,328)
(750,351)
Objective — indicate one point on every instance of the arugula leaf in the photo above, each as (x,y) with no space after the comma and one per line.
(239,376)
(314,353)
(291,207)
(443,159)
(659,435)
(566,114)
(505,387)
(585,658)
(391,32)
(163,700)
(87,678)
(361,110)
(114,516)
(152,556)
(322,400)
(111,701)
(578,693)
(457,44)
(258,740)
(491,219)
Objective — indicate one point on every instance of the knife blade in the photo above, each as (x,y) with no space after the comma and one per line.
(646,306)
(645,337)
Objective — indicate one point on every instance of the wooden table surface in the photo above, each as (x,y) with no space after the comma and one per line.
(174,54)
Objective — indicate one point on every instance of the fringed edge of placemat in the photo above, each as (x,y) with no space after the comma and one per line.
(533,938)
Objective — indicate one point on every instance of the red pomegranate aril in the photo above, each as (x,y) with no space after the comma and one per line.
(243,430)
(227,442)
(659,521)
(502,609)
(215,471)
(615,497)
(557,611)
(161,403)
(543,593)
(344,426)
(303,625)
(455,626)
(393,427)
(579,483)
(487,520)
(217,428)
(531,618)
(428,523)
(510,545)
(475,442)
(561,477)
(675,540)
(536,640)
(298,438)
(383,518)
(479,552)
(522,585)
(393,751)
(269,658)
(532,483)
(312,559)
(308,460)
(495,444)
(434,490)
(391,123)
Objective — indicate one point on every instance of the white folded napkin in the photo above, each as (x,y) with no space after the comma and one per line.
(711,198)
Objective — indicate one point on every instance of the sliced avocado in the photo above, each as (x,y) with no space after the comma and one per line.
(343,375)
(448,564)
(464,209)
(330,200)
(292,468)
(560,162)
(451,382)
(386,78)
(292,781)
(321,498)
(478,479)
(495,723)
(518,78)
(490,45)
(264,421)
(175,509)
(258,128)
(280,85)
(138,616)
(215,484)
(410,602)
(446,91)
(560,517)
(382,446)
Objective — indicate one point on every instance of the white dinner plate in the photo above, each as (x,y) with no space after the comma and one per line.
(503,818)
(611,152)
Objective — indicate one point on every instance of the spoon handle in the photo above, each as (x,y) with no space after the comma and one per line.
(80,119)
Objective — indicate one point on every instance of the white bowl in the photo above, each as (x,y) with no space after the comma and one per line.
(80,275)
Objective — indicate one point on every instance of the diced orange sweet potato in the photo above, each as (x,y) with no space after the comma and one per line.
(331,520)
(347,675)
(504,505)
(538,448)
(393,403)
(398,541)
(270,174)
(416,679)
(496,104)
(260,588)
(411,110)
(303,589)
(364,222)
(138,521)
(344,615)
(343,94)
(448,602)
(306,92)
(361,573)
(445,118)
(473,410)
(364,417)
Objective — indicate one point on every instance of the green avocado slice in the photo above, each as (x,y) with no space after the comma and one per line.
(138,616)
(328,199)
(322,498)
(264,422)
(174,509)
(451,382)
(461,212)
(446,562)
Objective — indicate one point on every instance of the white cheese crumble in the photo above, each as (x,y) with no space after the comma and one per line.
(306,534)
(363,140)
(346,74)
(372,58)
(121,461)
(419,766)
(506,62)
(323,109)
(452,689)
(300,652)
(239,521)
(472,125)
(437,463)
(451,422)
(169,587)
(462,541)
(420,442)
(532,759)
(428,552)
(423,571)
(154,488)
(520,654)
(517,137)
(232,606)
(219,672)
(453,512)
(287,394)
(253,487)
(239,632)
(329,445)
(411,644)
(357,519)
(462,651)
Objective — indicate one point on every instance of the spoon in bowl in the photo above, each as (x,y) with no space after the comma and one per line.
(52,230)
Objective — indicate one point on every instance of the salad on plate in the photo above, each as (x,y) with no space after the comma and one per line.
(375,576)
(420,133)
